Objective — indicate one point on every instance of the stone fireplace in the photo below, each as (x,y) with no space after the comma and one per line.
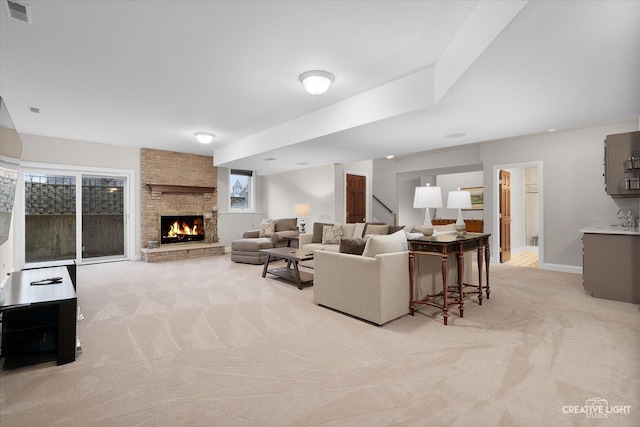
(184,193)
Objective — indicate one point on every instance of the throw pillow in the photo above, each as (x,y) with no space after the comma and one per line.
(332,234)
(352,246)
(394,228)
(317,232)
(376,229)
(396,242)
(267,228)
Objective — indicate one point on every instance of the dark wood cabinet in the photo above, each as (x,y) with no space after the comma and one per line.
(622,164)
(610,266)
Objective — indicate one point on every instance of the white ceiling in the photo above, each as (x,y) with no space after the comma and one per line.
(150,73)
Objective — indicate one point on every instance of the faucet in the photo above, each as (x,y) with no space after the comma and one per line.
(627,217)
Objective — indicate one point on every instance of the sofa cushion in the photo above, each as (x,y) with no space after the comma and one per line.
(359,230)
(348,230)
(332,234)
(396,242)
(371,228)
(352,246)
(267,228)
(286,224)
(317,232)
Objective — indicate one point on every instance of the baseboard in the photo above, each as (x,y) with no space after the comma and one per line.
(562,268)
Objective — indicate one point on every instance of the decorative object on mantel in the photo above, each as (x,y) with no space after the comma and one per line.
(459,200)
(427,197)
(302,210)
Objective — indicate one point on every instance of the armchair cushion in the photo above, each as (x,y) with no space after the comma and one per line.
(287,224)
(251,234)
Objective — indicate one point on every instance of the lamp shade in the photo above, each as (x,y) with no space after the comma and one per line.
(302,209)
(459,200)
(316,82)
(427,197)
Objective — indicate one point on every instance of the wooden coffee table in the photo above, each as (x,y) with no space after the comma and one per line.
(293,257)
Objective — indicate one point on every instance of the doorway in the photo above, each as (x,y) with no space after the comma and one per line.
(518,218)
(356,198)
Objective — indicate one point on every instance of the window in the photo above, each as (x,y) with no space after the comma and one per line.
(240,190)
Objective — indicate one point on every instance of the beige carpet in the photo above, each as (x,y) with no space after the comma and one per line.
(207,342)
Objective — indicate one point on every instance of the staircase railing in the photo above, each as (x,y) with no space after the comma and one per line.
(388,210)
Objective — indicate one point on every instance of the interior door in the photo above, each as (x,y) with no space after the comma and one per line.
(356,198)
(505,215)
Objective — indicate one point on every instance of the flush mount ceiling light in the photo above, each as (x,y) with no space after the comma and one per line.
(316,82)
(204,137)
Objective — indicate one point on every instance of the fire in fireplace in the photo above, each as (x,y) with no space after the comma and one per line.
(181,228)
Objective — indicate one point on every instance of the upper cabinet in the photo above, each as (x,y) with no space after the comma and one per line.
(622,164)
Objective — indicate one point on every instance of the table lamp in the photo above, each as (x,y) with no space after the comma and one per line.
(302,210)
(427,197)
(459,200)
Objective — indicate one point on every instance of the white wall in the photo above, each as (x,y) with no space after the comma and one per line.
(60,151)
(314,186)
(453,181)
(572,186)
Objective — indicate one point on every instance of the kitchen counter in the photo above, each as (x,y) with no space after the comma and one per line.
(610,229)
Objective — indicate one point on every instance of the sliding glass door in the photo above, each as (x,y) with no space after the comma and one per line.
(50,217)
(72,215)
(103,233)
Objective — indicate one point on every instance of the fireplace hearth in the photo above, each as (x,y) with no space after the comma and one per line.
(181,229)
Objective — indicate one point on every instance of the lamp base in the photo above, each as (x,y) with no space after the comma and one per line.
(426,230)
(461,229)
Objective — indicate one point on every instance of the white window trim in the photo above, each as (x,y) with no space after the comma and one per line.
(252,194)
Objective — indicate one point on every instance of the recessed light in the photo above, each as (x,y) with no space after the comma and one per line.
(455,135)
(552,130)
(390,156)
(34,110)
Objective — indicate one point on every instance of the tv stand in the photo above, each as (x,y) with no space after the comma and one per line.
(38,321)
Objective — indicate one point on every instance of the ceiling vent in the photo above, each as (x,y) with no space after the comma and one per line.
(19,12)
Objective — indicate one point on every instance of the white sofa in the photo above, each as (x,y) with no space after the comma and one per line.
(377,288)
(374,288)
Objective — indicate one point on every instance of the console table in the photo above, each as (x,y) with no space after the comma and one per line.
(38,321)
(444,245)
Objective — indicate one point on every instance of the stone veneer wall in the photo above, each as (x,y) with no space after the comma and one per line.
(171,168)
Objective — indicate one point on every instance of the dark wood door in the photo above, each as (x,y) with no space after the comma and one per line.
(505,216)
(356,198)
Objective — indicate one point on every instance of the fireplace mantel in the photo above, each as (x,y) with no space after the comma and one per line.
(158,189)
